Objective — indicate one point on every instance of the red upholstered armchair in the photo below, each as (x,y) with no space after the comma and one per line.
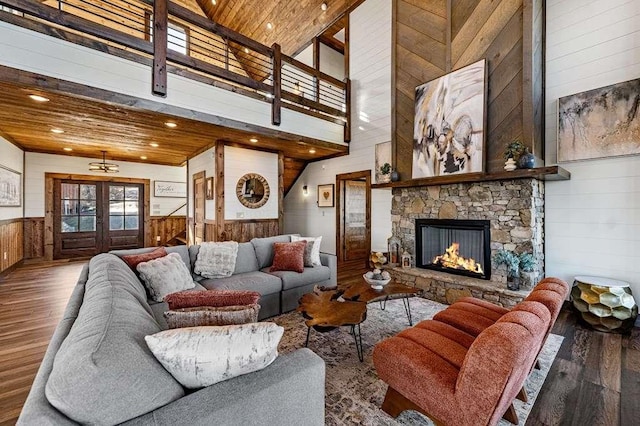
(458,377)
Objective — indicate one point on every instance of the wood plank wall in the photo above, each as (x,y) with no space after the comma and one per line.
(244,230)
(34,237)
(433,38)
(11,243)
(164,227)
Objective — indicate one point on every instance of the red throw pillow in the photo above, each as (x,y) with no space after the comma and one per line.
(215,298)
(288,256)
(134,259)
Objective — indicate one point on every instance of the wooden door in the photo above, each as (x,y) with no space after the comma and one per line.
(199,197)
(94,217)
(355,220)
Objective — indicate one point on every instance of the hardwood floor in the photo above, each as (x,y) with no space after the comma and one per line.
(594,380)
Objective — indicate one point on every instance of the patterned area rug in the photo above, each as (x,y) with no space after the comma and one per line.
(353,391)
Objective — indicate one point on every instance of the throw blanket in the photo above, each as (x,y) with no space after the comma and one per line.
(216,260)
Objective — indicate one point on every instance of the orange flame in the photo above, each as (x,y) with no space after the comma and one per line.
(452,259)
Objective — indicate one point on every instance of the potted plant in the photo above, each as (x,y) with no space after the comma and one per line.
(512,154)
(512,262)
(385,172)
(527,264)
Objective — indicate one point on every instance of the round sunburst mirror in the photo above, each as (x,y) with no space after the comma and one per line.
(252,190)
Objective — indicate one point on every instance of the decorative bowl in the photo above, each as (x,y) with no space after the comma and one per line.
(376,284)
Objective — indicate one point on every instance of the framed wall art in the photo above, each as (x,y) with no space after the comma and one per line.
(326,195)
(449,127)
(169,189)
(600,123)
(209,189)
(10,187)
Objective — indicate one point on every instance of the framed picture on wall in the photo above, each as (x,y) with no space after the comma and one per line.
(209,189)
(326,195)
(448,132)
(599,123)
(10,187)
(169,189)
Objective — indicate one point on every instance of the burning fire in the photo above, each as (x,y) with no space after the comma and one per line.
(452,259)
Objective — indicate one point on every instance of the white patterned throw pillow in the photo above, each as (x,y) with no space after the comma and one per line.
(312,254)
(201,356)
(165,275)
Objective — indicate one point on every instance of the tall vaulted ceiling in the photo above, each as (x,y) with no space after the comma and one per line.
(295,22)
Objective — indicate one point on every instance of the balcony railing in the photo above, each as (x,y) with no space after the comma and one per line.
(175,39)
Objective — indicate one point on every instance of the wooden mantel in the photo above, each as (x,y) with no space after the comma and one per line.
(542,173)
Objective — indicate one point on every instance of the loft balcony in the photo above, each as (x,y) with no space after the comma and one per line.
(165,58)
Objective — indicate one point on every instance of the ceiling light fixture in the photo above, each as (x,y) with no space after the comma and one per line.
(67,149)
(246,50)
(214,2)
(143,157)
(324,6)
(39,98)
(312,151)
(170,124)
(103,166)
(269,26)
(253,140)
(57,131)
(154,145)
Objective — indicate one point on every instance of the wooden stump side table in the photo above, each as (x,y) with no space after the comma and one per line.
(604,304)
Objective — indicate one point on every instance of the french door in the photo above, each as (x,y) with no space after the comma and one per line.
(93,217)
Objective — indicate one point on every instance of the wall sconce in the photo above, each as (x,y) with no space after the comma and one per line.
(305,190)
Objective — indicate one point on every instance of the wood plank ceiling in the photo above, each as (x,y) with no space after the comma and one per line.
(295,22)
(125,133)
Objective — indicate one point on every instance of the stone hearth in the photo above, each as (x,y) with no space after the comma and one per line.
(515,209)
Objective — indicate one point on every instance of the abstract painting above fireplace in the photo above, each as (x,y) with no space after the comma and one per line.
(456,246)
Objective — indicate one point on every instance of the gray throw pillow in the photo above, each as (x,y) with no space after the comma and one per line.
(165,275)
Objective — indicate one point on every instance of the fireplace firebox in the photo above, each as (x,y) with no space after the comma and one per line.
(460,247)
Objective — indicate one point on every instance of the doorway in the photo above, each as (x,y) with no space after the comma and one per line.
(92,217)
(353,210)
(199,197)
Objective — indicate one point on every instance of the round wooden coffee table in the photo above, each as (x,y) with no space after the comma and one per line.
(326,310)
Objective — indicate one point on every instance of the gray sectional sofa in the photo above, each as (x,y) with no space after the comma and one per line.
(98,369)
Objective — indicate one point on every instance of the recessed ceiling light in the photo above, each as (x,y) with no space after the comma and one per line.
(253,140)
(154,145)
(170,124)
(214,2)
(39,98)
(269,26)
(143,157)
(246,50)
(57,131)
(323,6)
(68,149)
(312,151)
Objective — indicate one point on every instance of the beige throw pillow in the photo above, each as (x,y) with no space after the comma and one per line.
(165,275)
(201,356)
(312,253)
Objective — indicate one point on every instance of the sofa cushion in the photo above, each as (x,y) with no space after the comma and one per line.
(245,262)
(264,248)
(312,251)
(215,298)
(255,281)
(183,251)
(201,356)
(308,276)
(165,275)
(288,257)
(212,315)
(105,350)
(216,259)
(133,260)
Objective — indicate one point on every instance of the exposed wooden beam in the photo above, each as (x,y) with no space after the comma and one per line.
(332,42)
(276,106)
(160,37)
(219,184)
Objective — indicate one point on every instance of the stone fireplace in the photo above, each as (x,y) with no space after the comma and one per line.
(514,212)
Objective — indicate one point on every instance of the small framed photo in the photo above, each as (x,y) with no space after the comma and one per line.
(210,192)
(326,196)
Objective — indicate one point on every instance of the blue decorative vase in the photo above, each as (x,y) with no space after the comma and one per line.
(527,161)
(395,176)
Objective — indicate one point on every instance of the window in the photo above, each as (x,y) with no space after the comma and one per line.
(78,207)
(123,207)
(177,36)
